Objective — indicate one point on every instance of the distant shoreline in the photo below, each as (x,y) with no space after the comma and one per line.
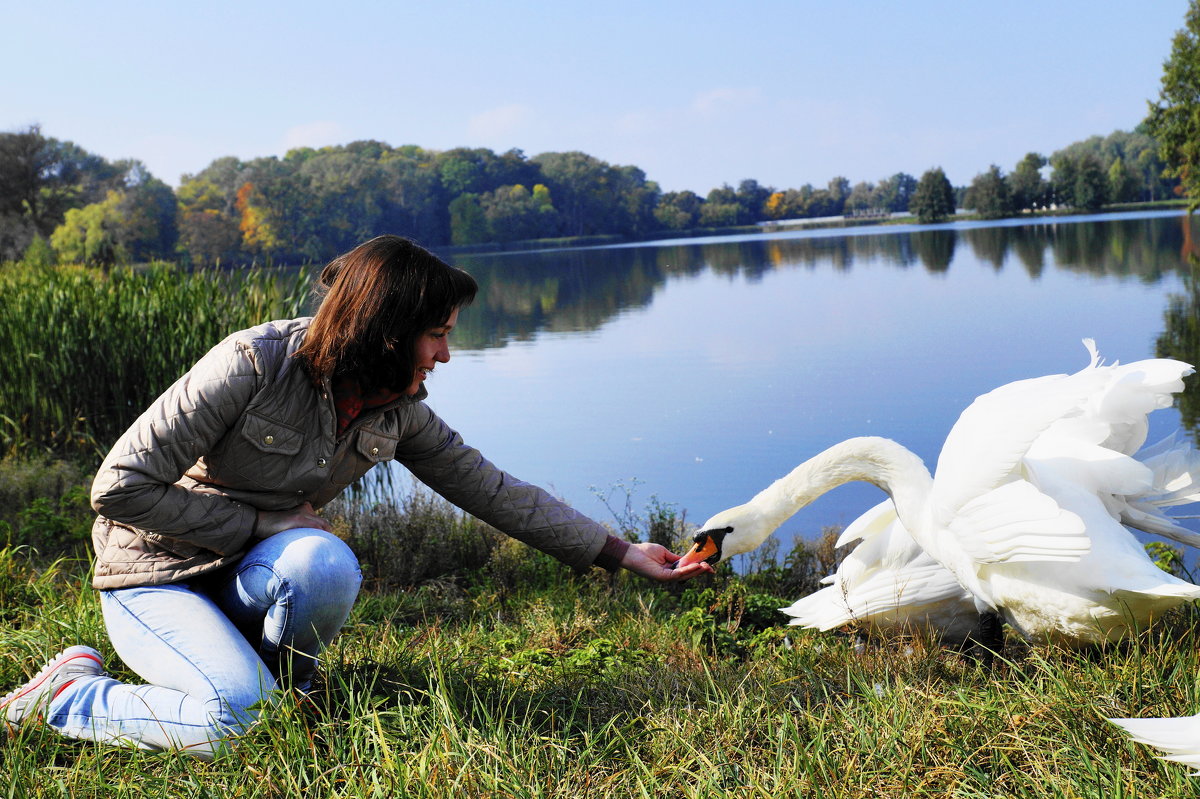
(776,226)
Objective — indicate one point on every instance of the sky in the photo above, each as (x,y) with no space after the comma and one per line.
(696,94)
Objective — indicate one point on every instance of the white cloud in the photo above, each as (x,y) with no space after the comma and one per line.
(501,122)
(313,134)
(723,99)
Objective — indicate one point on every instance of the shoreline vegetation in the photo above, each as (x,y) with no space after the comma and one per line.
(61,203)
(474,666)
(786,225)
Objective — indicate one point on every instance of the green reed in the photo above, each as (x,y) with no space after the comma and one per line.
(85,351)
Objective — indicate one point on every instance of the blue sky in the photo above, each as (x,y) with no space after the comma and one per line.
(695,93)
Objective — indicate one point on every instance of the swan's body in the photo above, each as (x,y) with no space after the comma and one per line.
(1025,512)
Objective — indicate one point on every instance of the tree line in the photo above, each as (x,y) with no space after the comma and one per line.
(1120,168)
(59,202)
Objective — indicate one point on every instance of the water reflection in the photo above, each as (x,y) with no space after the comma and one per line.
(1181,332)
(705,369)
(579,290)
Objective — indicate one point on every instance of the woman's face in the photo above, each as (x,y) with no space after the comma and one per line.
(432,348)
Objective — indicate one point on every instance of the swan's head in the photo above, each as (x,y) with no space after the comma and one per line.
(731,532)
(706,548)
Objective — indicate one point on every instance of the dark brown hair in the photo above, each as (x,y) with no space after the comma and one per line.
(377,299)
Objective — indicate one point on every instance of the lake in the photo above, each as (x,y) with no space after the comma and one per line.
(695,372)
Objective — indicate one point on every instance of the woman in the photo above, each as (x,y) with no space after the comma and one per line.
(218,580)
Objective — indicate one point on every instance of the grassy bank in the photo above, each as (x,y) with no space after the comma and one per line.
(503,675)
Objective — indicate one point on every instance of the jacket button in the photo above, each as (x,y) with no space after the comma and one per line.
(321,462)
(374,450)
(269,439)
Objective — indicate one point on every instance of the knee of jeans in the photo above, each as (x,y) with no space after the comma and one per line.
(317,551)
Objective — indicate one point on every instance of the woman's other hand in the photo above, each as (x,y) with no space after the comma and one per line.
(658,563)
(271,522)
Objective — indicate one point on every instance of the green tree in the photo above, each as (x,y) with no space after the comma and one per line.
(823,202)
(752,197)
(933,199)
(638,199)
(839,190)
(464,170)
(1091,184)
(91,235)
(592,196)
(719,214)
(989,194)
(1063,178)
(148,217)
(209,219)
(678,210)
(515,213)
(895,193)
(1124,182)
(861,198)
(722,208)
(1029,189)
(39,253)
(41,179)
(1149,163)
(468,224)
(1175,119)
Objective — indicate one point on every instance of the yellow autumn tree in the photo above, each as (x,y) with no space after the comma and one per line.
(258,235)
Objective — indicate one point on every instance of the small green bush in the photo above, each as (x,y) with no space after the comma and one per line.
(44,504)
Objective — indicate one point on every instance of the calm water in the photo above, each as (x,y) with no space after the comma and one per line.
(699,371)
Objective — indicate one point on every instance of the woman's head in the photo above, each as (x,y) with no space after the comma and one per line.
(378,299)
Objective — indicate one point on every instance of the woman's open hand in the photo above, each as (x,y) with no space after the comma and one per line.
(271,522)
(658,563)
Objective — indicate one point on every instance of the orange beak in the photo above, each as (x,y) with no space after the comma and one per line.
(707,548)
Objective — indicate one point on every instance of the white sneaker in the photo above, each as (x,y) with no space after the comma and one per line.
(35,696)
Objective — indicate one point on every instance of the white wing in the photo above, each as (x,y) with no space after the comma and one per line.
(887,581)
(1179,738)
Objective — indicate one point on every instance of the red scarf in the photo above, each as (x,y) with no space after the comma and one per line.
(350,402)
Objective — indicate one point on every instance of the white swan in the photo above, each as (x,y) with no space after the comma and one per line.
(1025,512)
(1179,738)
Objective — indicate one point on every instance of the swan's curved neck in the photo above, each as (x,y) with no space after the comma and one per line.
(879,461)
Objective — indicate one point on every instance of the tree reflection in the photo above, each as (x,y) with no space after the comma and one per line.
(1180,338)
(935,248)
(522,294)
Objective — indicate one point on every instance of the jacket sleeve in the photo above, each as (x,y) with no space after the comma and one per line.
(437,456)
(137,484)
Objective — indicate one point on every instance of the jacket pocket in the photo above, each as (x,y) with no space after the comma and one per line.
(375,446)
(271,435)
(262,455)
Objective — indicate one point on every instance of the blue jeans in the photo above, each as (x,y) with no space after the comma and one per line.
(213,649)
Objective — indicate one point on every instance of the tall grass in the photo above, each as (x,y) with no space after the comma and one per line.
(514,678)
(86,351)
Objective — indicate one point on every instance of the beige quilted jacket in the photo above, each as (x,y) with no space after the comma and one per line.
(246,429)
